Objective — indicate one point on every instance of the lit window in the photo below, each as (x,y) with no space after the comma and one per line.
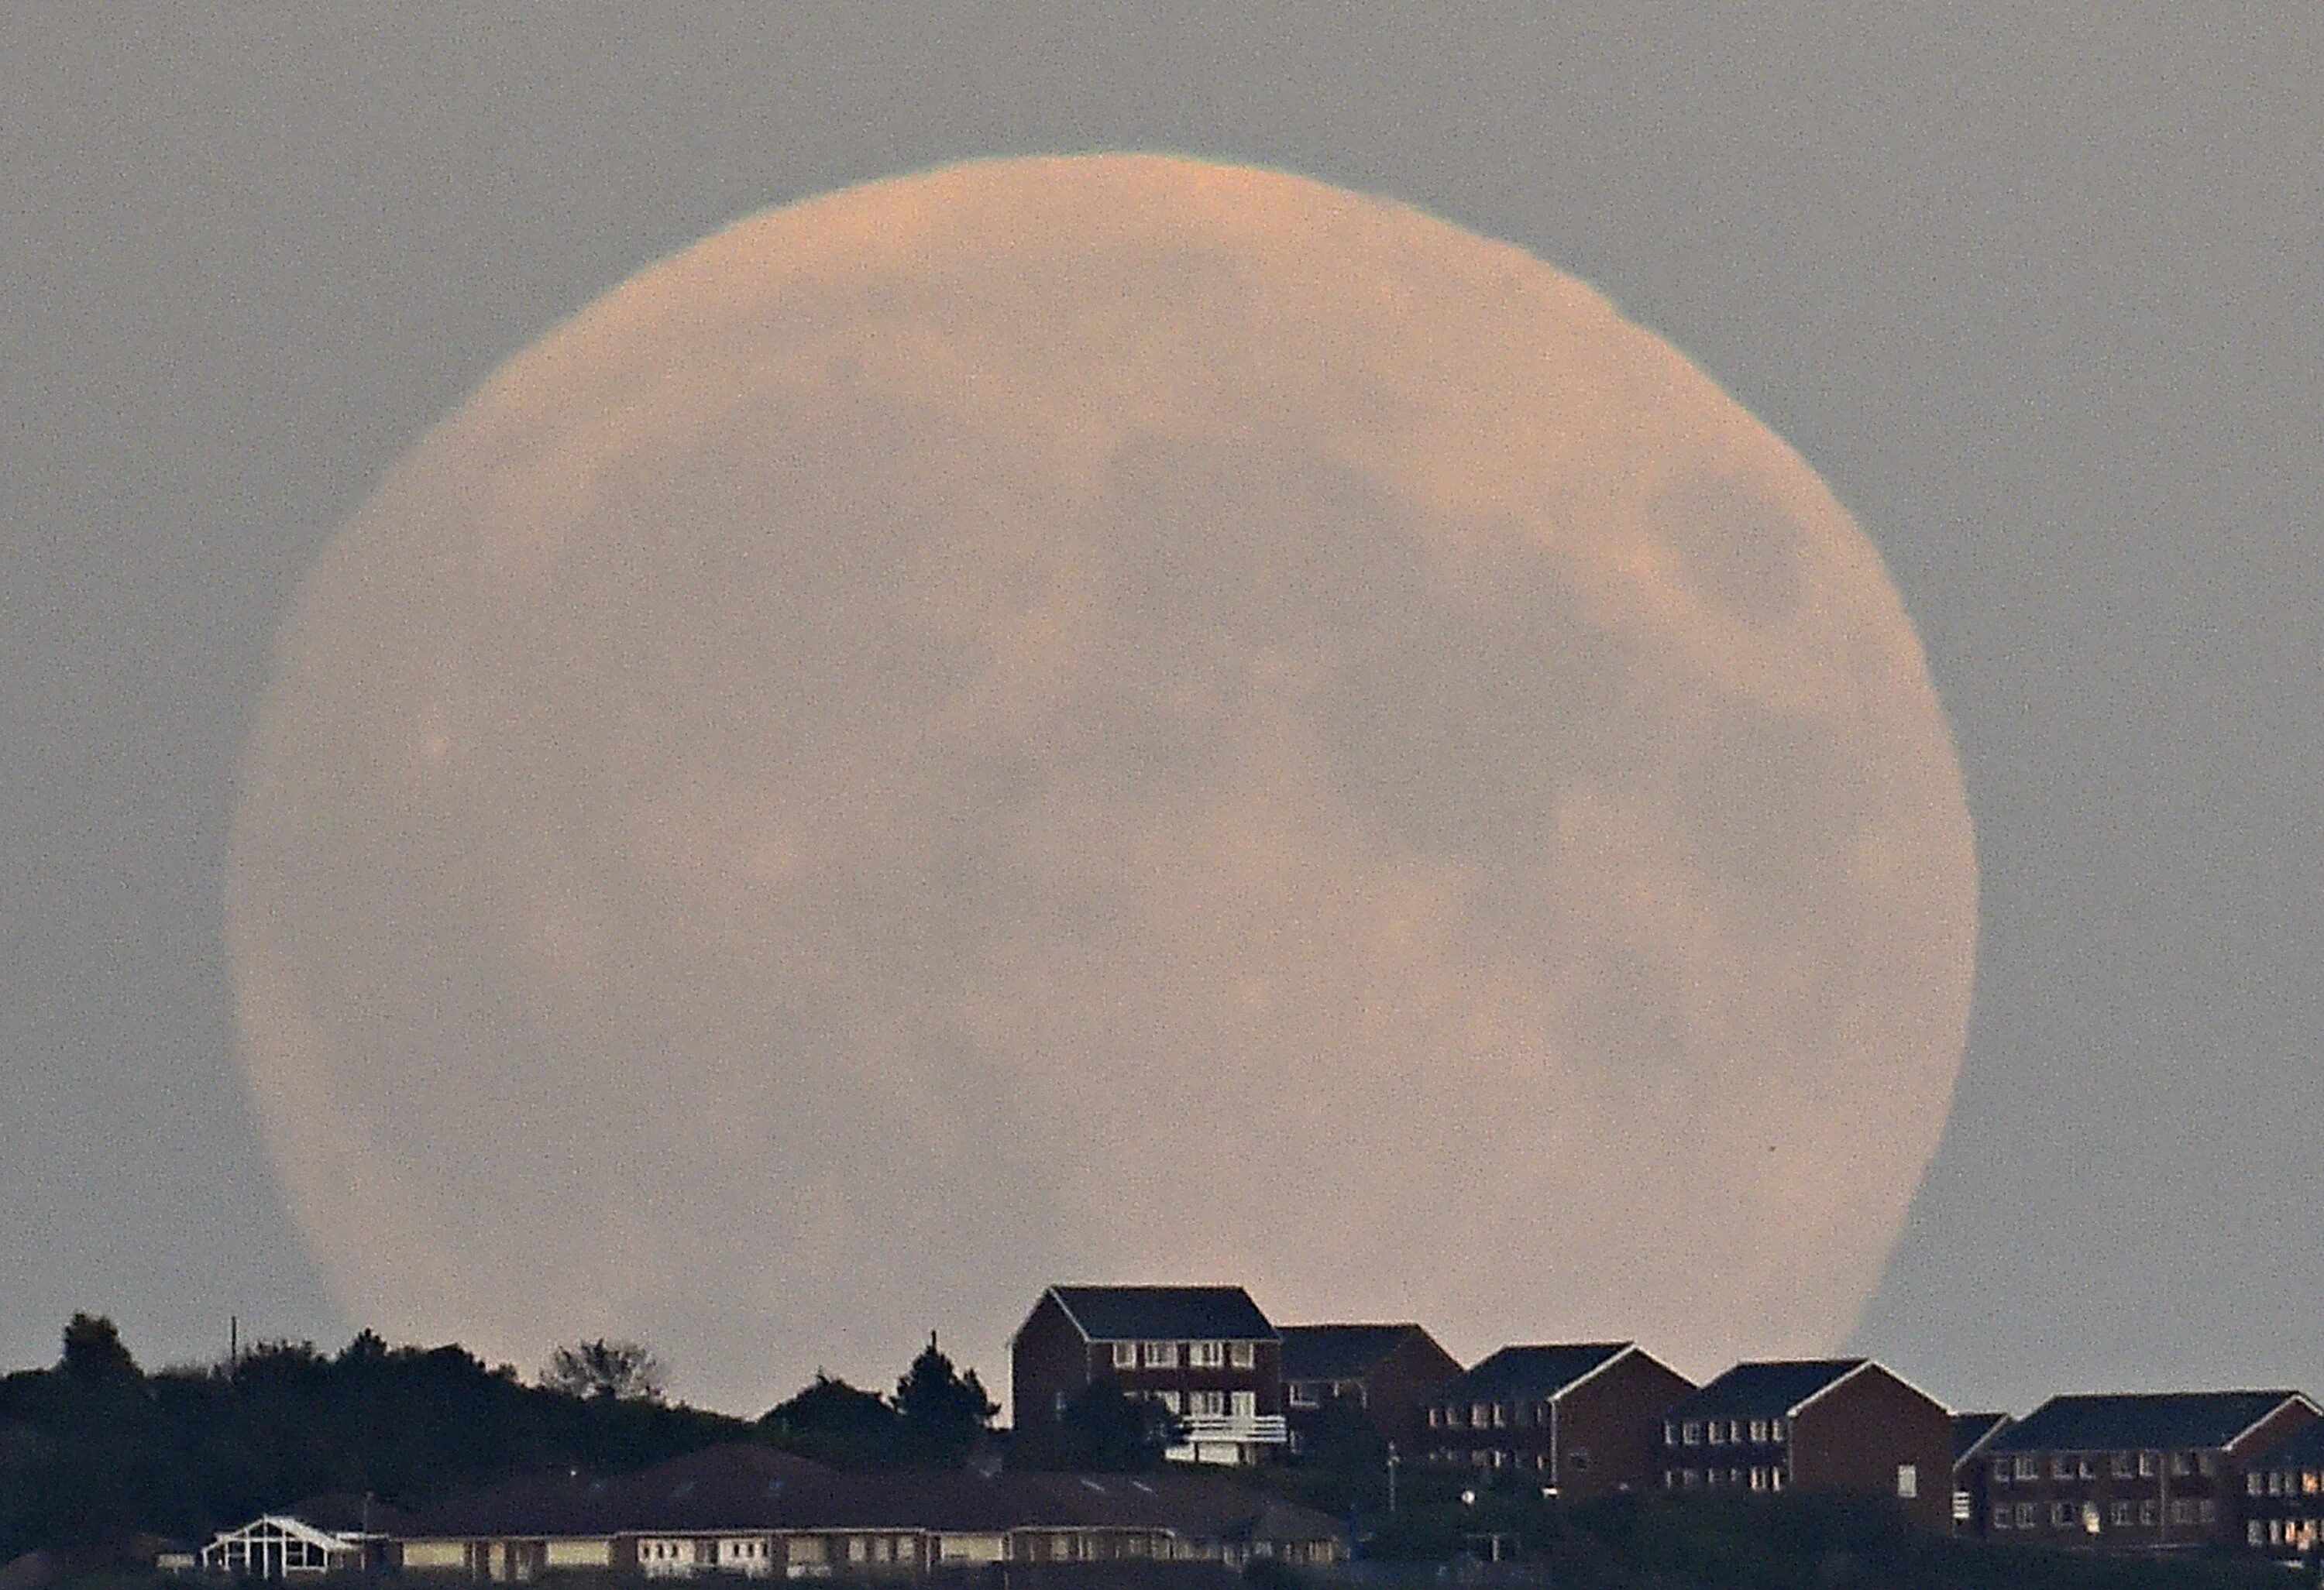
(1670,1433)
(1908,1480)
(1776,1429)
(1775,1479)
(2147,1465)
(1161,1355)
(1206,1355)
(1125,1355)
(1717,1432)
(2029,1467)
(1691,1433)
(1500,1415)
(2089,1518)
(1206,1405)
(1171,1401)
(1243,1404)
(1758,1431)
(1758,1479)
(1242,1355)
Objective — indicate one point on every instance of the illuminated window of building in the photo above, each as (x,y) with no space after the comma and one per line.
(1125,1355)
(1690,1433)
(1758,1431)
(1160,1355)
(1242,1355)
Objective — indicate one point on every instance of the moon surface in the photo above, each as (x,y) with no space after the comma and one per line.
(1098,718)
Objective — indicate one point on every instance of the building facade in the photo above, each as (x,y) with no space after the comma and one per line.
(2283,1497)
(1388,1372)
(1204,1353)
(1580,1417)
(1972,1434)
(1828,1424)
(2143,1472)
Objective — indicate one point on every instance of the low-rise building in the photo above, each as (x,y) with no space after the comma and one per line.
(2135,1472)
(1580,1416)
(751,1513)
(1205,1352)
(1826,1424)
(1388,1372)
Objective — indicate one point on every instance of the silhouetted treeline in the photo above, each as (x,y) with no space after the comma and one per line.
(95,1451)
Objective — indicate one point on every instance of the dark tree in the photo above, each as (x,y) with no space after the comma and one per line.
(941,1414)
(94,1350)
(1102,1430)
(626,1372)
(836,1423)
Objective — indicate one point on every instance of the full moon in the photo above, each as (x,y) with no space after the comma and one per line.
(1098,718)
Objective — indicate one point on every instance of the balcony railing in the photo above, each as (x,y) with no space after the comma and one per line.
(1262,1429)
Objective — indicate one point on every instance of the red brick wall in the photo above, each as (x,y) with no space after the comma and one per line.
(1616,1417)
(1856,1435)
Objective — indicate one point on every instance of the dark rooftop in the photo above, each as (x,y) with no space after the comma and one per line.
(1531,1372)
(745,1488)
(2125,1422)
(1764,1390)
(1164,1313)
(1969,1429)
(1338,1352)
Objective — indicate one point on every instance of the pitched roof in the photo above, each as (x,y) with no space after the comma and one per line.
(1972,1430)
(1164,1313)
(1339,1352)
(2303,1450)
(1528,1372)
(1770,1390)
(2123,1421)
(743,1487)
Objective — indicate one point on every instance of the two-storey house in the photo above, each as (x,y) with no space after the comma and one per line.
(1205,1352)
(1386,1371)
(1578,1417)
(2283,1497)
(1824,1424)
(2135,1472)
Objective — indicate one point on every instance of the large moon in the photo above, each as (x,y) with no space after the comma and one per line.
(1109,718)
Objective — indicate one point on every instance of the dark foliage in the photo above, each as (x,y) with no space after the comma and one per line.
(1104,1431)
(937,1419)
(942,1416)
(95,1451)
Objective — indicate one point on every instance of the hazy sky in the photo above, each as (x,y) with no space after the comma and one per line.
(2035,291)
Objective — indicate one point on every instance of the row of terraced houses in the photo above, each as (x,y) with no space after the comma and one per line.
(2125,1472)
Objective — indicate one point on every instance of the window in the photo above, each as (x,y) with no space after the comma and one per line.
(2121,1466)
(1302,1394)
(1500,1415)
(2120,1515)
(2253,1534)
(1206,1355)
(1171,1401)
(2147,1465)
(2089,1518)
(1160,1355)
(1689,1479)
(1776,1430)
(1059,1410)
(2252,1483)
(1481,1416)
(2001,1471)
(1243,1404)
(2001,1516)
(2182,1464)
(1758,1431)
(2029,1467)
(1436,1418)
(1692,1432)
(2147,1514)
(1717,1432)
(1206,1405)
(1242,1355)
(1908,1480)
(1670,1479)
(1775,1479)
(2061,1515)
(2025,1515)
(1125,1355)
(2206,1464)
(1670,1433)
(2275,1485)
(1759,1478)
(2062,1467)
(2183,1512)
(2086,1467)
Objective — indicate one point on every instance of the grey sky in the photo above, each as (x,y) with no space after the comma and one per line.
(2036,291)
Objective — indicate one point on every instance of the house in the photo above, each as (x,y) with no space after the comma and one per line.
(2141,1472)
(2283,1496)
(1823,1424)
(1387,1371)
(279,1546)
(1580,1416)
(1205,1352)
(1972,1434)
(746,1512)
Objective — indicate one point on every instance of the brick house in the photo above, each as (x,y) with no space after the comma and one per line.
(1582,1417)
(1205,1352)
(1972,1434)
(1825,1424)
(2283,1497)
(1387,1371)
(2146,1472)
